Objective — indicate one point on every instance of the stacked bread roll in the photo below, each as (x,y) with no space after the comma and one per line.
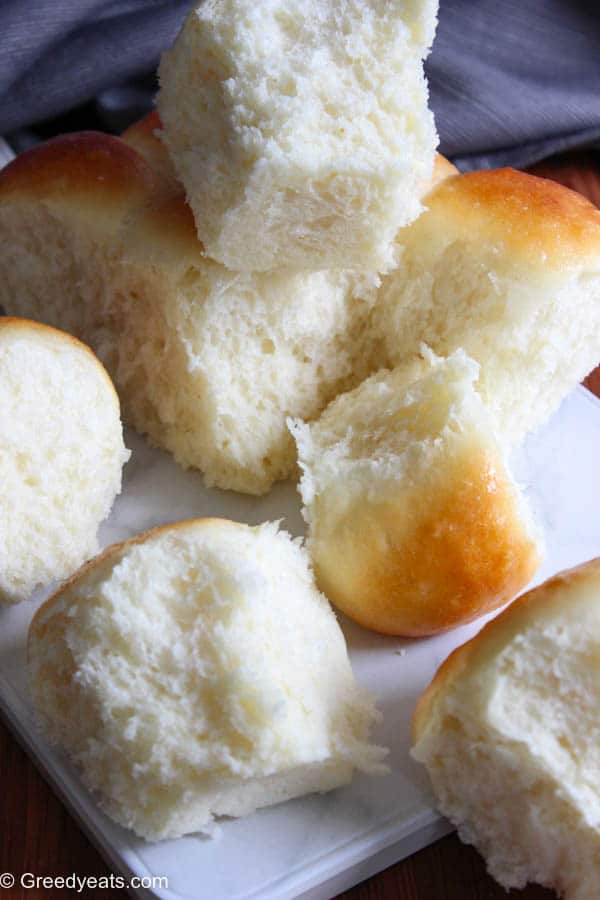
(279,273)
(290,189)
(210,360)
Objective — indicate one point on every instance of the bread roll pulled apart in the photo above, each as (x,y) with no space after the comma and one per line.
(300,129)
(415,522)
(195,672)
(509,731)
(61,455)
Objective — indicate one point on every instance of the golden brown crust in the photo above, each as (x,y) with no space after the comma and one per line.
(143,137)
(555,589)
(430,559)
(533,215)
(23,326)
(114,550)
(90,165)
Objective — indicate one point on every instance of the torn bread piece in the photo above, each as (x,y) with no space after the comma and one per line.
(195,672)
(509,731)
(415,524)
(300,129)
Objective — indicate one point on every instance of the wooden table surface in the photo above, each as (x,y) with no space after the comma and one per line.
(37,834)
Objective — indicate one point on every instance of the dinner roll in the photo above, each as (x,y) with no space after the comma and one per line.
(61,454)
(506,266)
(509,730)
(207,362)
(300,129)
(415,523)
(195,672)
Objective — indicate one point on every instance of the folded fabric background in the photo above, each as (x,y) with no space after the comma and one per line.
(511,82)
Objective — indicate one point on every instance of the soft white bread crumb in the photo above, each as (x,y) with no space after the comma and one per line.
(211,362)
(195,672)
(415,523)
(509,730)
(506,266)
(300,129)
(61,454)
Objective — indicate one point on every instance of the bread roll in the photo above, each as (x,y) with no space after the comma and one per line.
(207,362)
(61,454)
(506,266)
(415,523)
(195,672)
(300,129)
(509,731)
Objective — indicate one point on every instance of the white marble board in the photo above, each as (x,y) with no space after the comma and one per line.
(317,846)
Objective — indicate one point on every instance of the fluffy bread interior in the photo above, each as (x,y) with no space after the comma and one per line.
(229,354)
(196,672)
(508,731)
(300,129)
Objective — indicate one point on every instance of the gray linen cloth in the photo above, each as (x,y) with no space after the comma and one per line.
(511,82)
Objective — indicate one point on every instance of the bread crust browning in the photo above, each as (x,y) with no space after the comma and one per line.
(533,215)
(424,562)
(168,224)
(86,165)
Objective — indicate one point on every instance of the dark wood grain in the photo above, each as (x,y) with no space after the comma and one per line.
(38,835)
